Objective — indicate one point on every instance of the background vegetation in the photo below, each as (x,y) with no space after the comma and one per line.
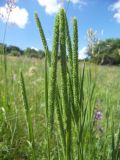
(103,52)
(107,52)
(16,51)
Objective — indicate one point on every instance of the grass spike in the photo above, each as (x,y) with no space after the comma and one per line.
(53,73)
(64,82)
(69,46)
(63,61)
(28,116)
(75,64)
(42,35)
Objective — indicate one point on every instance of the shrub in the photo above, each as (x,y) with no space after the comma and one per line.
(32,53)
(15,53)
(104,59)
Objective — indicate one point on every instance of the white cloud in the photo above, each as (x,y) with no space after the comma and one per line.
(36,49)
(117,16)
(83,53)
(18,16)
(81,2)
(116,8)
(53,6)
(74,1)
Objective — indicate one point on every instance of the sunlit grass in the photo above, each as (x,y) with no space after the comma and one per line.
(106,94)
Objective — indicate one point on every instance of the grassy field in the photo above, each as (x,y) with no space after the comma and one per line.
(54,109)
(14,141)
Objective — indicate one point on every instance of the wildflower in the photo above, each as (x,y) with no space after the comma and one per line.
(11,3)
(9,6)
(98,115)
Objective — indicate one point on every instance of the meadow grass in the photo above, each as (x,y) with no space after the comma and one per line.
(62,109)
(14,141)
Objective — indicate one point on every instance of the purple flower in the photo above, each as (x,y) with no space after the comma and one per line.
(98,115)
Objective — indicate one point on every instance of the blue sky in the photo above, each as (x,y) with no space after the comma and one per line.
(101,15)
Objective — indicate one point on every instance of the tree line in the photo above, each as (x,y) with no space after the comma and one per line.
(16,51)
(99,51)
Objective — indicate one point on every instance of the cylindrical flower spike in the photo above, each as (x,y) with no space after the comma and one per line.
(53,72)
(63,61)
(44,41)
(64,83)
(75,64)
(69,46)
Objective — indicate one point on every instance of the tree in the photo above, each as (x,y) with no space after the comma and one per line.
(108,52)
(92,41)
(10,49)
(30,52)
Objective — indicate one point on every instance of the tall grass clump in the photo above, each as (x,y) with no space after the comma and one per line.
(69,100)
(64,84)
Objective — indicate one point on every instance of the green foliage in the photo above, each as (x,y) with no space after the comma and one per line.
(107,59)
(10,49)
(16,51)
(107,52)
(32,53)
(108,46)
